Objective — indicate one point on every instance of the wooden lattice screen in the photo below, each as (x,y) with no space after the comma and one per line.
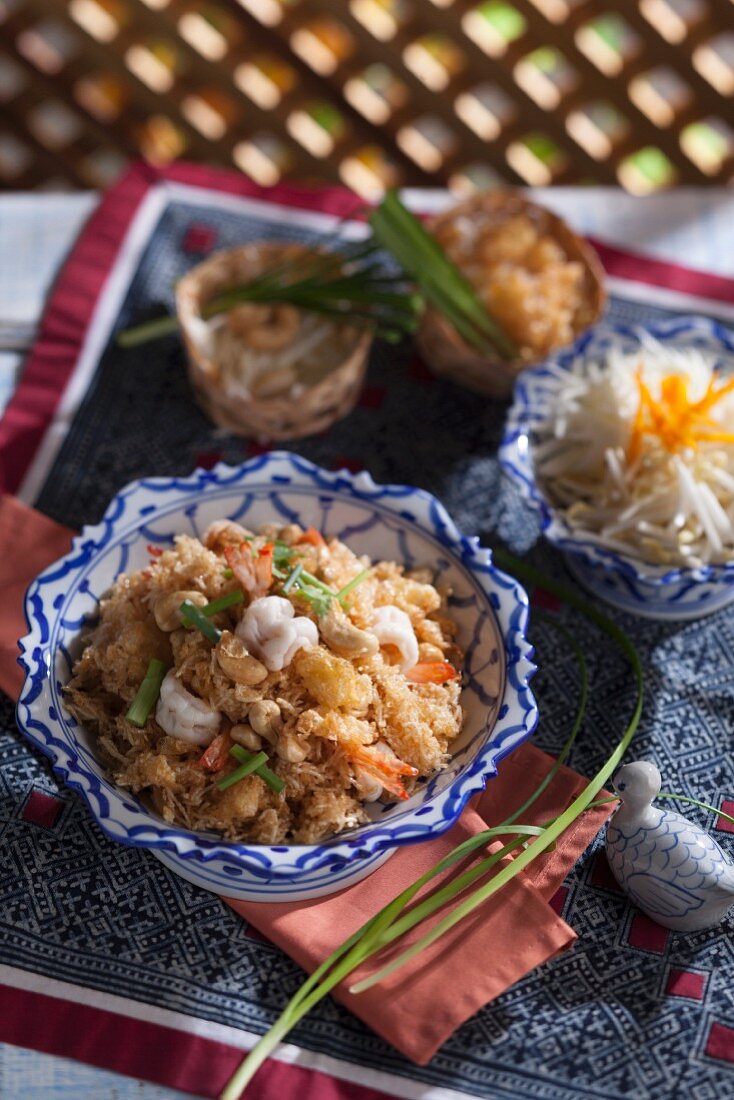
(370,92)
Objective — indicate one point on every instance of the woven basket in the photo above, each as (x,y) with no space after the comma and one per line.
(312,408)
(440,345)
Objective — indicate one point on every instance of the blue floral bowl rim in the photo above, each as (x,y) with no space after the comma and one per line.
(517,698)
(520,423)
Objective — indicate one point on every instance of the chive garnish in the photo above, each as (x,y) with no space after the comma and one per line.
(316,582)
(194,616)
(227,574)
(440,281)
(262,770)
(229,600)
(395,918)
(343,592)
(351,286)
(292,578)
(147,694)
(251,765)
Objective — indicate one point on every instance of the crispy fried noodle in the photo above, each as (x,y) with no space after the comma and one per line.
(343,673)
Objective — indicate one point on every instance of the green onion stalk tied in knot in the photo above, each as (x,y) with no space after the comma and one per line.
(527,841)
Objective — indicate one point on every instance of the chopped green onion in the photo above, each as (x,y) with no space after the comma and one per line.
(315,582)
(282,552)
(292,578)
(227,574)
(262,770)
(352,584)
(147,694)
(252,764)
(194,616)
(223,603)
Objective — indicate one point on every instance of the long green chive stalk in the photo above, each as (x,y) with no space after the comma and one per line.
(392,922)
(348,286)
(442,284)
(695,802)
(354,951)
(147,694)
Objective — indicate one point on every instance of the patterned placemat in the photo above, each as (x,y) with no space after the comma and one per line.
(631,1011)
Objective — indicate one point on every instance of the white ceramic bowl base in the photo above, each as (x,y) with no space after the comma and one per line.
(239,883)
(390,522)
(704,600)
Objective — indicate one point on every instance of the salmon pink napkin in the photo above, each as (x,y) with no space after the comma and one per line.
(423,1003)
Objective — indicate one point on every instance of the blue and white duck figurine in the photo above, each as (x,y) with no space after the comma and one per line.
(671,869)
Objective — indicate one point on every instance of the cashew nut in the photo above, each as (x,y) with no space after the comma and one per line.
(291,533)
(236,662)
(265,718)
(166,609)
(244,735)
(343,637)
(291,748)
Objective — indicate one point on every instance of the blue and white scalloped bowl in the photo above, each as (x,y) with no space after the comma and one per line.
(384,521)
(626,582)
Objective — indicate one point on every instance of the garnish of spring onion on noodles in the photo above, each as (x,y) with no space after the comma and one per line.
(637,453)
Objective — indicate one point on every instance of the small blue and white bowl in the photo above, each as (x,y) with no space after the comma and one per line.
(393,522)
(625,581)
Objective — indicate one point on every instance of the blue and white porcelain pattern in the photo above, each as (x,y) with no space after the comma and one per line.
(671,869)
(626,582)
(388,521)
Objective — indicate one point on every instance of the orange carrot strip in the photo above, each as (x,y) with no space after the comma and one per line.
(313,537)
(712,396)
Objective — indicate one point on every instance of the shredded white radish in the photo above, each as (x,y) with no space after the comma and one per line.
(626,453)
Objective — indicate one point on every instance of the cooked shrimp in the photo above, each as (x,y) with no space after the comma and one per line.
(371,762)
(379,762)
(271,629)
(252,568)
(391,626)
(183,715)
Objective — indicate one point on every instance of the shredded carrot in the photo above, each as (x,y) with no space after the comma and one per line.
(431,672)
(314,537)
(677,422)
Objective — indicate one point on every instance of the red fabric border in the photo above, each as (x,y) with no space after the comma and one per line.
(77,290)
(623,264)
(153,1052)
